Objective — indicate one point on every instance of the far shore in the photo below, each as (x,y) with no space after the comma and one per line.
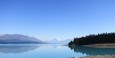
(104,45)
(100,56)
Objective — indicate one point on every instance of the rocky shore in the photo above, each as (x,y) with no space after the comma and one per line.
(100,56)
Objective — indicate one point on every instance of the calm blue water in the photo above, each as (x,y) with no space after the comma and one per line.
(49,51)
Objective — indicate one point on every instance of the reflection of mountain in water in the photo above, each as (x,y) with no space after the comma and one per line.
(17,48)
(54,46)
(93,51)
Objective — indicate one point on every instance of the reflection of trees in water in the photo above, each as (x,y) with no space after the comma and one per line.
(93,51)
(17,49)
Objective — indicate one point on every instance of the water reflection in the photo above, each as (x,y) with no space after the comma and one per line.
(93,51)
(17,48)
(54,46)
(21,48)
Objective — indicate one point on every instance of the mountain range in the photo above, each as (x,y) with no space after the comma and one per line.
(18,39)
(57,41)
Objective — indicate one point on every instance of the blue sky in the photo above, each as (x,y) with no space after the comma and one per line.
(62,19)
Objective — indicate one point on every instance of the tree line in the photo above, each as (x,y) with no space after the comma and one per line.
(94,39)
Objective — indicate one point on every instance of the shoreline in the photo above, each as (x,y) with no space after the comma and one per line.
(100,56)
(103,45)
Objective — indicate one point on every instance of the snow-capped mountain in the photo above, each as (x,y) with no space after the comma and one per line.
(58,41)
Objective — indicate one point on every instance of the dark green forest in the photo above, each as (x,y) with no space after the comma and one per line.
(94,39)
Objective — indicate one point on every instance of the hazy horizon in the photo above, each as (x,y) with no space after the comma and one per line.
(57,19)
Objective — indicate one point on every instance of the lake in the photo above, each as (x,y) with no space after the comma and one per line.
(49,51)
